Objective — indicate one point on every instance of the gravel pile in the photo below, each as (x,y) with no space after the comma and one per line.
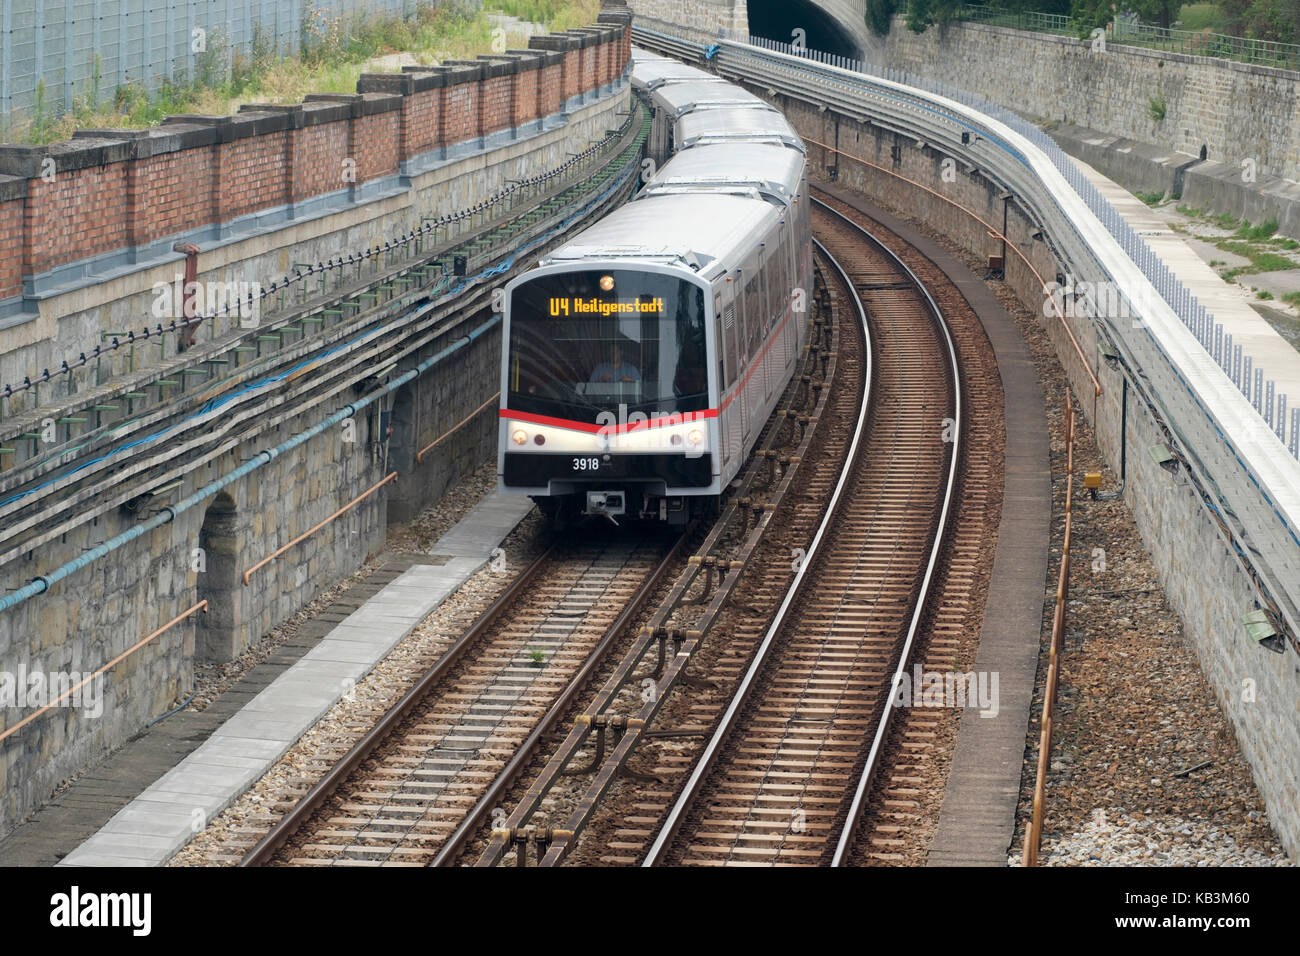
(1116,838)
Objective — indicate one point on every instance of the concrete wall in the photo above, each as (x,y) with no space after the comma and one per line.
(1235,110)
(698,19)
(1258,689)
(107,607)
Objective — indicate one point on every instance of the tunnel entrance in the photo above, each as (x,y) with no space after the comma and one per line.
(778,20)
(217,636)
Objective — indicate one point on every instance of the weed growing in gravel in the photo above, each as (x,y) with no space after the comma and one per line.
(1256,233)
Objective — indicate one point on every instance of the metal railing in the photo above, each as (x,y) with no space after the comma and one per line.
(1124,31)
(1034,834)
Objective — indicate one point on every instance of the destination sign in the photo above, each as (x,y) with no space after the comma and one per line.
(594,306)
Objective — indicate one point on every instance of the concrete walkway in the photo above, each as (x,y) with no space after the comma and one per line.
(163,818)
(1226,301)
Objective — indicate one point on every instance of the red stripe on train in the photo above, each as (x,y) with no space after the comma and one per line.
(683,419)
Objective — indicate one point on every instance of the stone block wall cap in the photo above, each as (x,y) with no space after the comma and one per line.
(29,161)
(551,57)
(12,188)
(461,71)
(399,83)
(560,42)
(499,65)
(254,122)
(319,112)
(114,134)
(372,103)
(584,38)
(528,59)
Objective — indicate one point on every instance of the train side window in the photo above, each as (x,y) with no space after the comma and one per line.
(730,332)
(755,311)
(770,285)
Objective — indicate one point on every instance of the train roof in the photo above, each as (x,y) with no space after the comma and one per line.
(773,170)
(653,74)
(708,127)
(681,98)
(707,233)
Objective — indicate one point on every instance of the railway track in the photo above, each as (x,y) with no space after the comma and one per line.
(410,781)
(771,757)
(787,770)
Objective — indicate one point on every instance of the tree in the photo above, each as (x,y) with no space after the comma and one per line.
(880,14)
(1159,12)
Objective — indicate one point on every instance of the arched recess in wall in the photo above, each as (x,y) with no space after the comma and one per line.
(401,443)
(218,637)
(778,19)
(409,494)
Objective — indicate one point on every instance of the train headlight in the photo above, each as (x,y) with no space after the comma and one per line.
(519,437)
(695,437)
(607,283)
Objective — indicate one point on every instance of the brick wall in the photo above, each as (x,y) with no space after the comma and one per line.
(460,111)
(107,191)
(318,152)
(73,214)
(496,103)
(12,194)
(161,198)
(550,85)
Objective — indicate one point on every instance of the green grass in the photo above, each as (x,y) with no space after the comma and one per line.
(1201,16)
(1292,298)
(1151,199)
(1190,211)
(1256,233)
(1284,242)
(1157,107)
(1264,294)
(336,51)
(1260,260)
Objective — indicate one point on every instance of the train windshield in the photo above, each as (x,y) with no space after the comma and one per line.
(582,343)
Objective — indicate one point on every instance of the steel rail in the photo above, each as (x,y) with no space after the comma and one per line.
(845,842)
(702,767)
(456,843)
(687,640)
(291,822)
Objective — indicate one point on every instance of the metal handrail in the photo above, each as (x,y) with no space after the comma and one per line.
(1126,32)
(1034,836)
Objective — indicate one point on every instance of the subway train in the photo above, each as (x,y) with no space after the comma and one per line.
(641,359)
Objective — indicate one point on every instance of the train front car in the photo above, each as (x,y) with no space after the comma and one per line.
(607,406)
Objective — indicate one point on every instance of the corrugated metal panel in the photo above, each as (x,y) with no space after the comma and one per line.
(139,41)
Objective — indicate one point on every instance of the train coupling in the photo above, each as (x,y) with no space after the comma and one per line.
(607,503)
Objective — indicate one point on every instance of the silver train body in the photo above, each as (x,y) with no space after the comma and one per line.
(641,360)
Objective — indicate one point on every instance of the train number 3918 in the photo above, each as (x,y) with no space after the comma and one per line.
(586,464)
